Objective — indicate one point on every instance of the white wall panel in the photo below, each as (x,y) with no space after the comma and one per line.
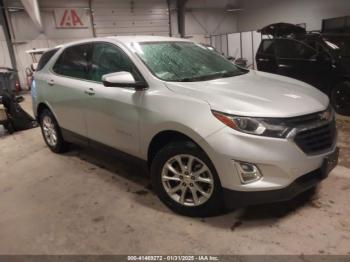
(256,44)
(126,17)
(247,47)
(234,45)
(216,42)
(224,44)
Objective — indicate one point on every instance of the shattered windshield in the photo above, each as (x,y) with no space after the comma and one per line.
(184,61)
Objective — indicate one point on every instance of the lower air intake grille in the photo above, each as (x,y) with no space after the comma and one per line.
(316,140)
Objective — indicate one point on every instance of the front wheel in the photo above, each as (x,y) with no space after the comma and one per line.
(340,98)
(186,181)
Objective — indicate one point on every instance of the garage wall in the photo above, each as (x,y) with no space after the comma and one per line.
(5,60)
(110,17)
(23,29)
(259,13)
(206,17)
(125,17)
(27,36)
(114,17)
(238,45)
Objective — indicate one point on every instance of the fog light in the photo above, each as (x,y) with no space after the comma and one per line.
(247,172)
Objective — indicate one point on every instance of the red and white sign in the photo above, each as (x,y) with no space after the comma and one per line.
(71,17)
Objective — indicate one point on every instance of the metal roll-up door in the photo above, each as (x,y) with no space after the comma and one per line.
(126,17)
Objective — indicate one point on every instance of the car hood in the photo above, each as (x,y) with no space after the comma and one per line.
(256,94)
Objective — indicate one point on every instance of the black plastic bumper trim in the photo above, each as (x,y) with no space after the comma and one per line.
(234,199)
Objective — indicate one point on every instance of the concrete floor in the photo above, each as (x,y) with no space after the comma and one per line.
(87,202)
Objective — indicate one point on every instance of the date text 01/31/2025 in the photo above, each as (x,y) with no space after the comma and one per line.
(173,258)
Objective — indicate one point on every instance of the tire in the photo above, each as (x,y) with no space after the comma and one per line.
(51,132)
(194,203)
(340,98)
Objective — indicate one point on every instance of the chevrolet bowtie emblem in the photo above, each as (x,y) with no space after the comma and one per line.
(325,115)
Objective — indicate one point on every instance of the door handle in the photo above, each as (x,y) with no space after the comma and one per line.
(50,82)
(89,91)
(264,59)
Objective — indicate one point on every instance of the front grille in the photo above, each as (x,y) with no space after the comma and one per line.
(316,140)
(302,120)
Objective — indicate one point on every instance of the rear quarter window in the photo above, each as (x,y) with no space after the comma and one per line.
(45,58)
(292,49)
(74,61)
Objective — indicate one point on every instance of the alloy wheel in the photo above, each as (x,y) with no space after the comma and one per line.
(187,180)
(49,131)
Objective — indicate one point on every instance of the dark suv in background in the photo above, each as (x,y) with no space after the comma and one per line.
(322,60)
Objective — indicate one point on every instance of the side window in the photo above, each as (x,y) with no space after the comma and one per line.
(267,47)
(74,61)
(287,48)
(45,58)
(107,58)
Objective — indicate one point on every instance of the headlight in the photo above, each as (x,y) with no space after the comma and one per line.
(271,127)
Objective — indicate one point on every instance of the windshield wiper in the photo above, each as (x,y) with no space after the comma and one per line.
(209,77)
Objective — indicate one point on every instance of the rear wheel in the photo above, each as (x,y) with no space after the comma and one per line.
(186,181)
(52,132)
(340,98)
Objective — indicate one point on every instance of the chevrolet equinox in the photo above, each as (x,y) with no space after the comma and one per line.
(214,135)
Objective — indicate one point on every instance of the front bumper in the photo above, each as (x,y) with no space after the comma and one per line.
(234,199)
(281,161)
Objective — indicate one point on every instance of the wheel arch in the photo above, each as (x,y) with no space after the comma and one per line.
(164,137)
(41,107)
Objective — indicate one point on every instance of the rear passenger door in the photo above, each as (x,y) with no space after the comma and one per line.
(265,57)
(112,114)
(67,86)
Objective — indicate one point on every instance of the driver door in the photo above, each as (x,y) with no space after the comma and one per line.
(112,114)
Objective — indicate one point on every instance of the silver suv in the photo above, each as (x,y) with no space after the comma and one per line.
(214,135)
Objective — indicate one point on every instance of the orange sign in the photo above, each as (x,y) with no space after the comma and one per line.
(71,17)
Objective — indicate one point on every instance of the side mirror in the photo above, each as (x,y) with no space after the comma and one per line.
(122,79)
(34,66)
